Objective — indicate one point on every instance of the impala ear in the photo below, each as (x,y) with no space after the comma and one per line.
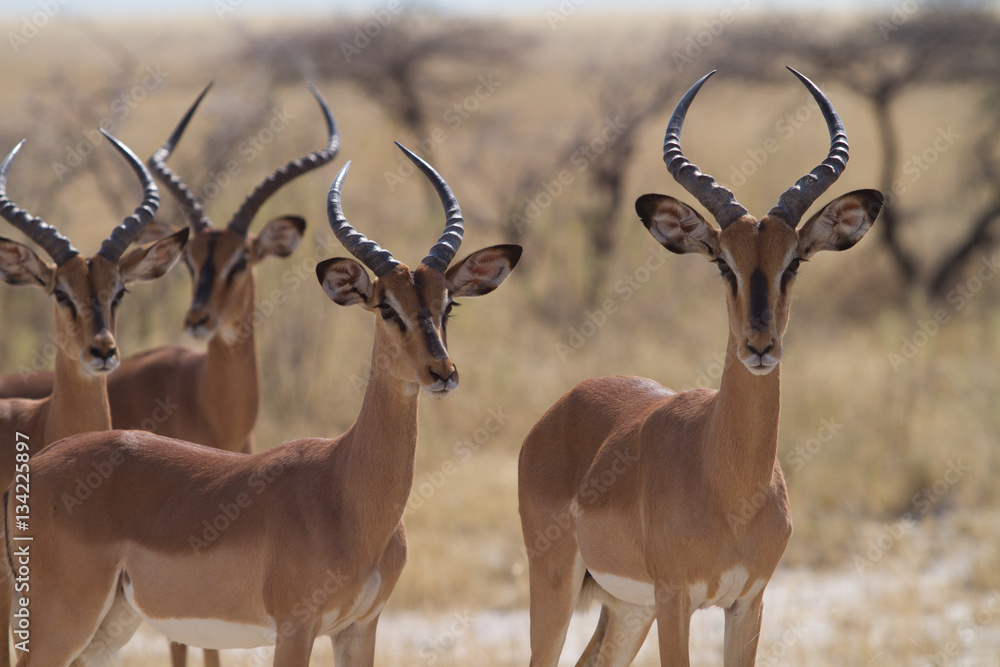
(841,223)
(678,227)
(483,271)
(151,260)
(19,265)
(279,238)
(345,281)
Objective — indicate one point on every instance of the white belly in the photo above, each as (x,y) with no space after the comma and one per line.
(206,632)
(730,588)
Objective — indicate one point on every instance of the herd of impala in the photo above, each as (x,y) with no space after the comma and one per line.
(648,487)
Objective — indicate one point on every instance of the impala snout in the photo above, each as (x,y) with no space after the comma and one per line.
(760,352)
(199,323)
(101,356)
(443,378)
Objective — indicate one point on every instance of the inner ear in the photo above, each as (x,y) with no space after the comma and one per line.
(19,265)
(151,260)
(841,223)
(279,238)
(678,227)
(482,271)
(345,281)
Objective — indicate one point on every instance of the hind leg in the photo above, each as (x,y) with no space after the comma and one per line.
(625,629)
(117,627)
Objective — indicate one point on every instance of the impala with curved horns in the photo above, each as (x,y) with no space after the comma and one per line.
(661,503)
(212,394)
(208,396)
(318,543)
(88,293)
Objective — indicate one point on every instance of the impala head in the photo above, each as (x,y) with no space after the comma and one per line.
(87,291)
(412,306)
(221,260)
(758,258)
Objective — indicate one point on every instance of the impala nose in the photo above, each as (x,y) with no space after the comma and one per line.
(760,352)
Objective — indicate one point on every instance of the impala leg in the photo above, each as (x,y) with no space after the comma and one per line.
(743,631)
(555,582)
(627,627)
(589,657)
(211,657)
(292,648)
(673,624)
(178,654)
(355,645)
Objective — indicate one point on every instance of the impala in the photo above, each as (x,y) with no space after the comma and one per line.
(638,495)
(87,294)
(213,393)
(318,543)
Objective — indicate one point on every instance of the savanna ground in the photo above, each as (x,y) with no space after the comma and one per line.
(889,426)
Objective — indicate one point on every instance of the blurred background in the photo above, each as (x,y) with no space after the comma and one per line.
(547,120)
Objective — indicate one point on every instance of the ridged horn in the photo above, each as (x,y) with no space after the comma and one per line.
(244,216)
(46,236)
(128,231)
(798,198)
(719,200)
(369,253)
(447,245)
(192,207)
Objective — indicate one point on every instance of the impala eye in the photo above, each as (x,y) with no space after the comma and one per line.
(449,308)
(793,266)
(386,311)
(238,267)
(723,268)
(63,300)
(118,298)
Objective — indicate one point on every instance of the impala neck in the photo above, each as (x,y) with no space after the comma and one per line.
(376,456)
(744,437)
(230,383)
(79,400)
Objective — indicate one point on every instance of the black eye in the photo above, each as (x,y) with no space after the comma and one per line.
(118,298)
(723,268)
(386,311)
(793,266)
(449,308)
(63,299)
(238,267)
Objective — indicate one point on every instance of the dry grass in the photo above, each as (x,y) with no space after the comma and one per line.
(897,431)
